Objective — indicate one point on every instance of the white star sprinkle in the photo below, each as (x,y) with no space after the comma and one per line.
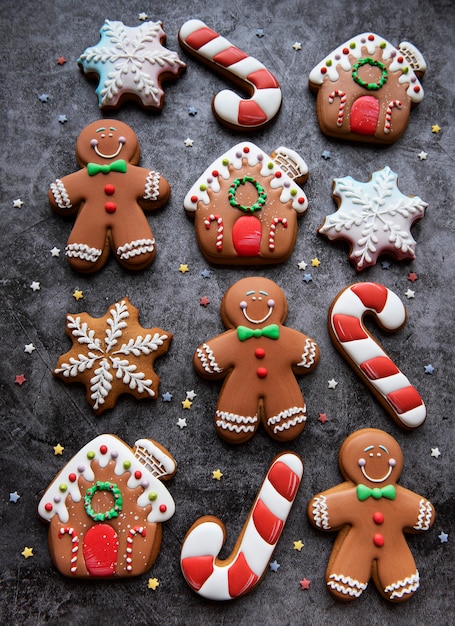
(302,265)
(297,45)
(410,294)
(188,142)
(55,251)
(435,452)
(28,348)
(332,383)
(36,286)
(182,423)
(422,156)
(18,204)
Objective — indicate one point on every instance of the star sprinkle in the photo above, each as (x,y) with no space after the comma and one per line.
(186,404)
(129,61)
(259,32)
(206,273)
(385,265)
(217,474)
(112,355)
(35,286)
(307,278)
(191,394)
(429,369)
(326,155)
(204,301)
(422,155)
(435,129)
(181,423)
(274,566)
(192,111)
(443,537)
(183,268)
(153,583)
(77,294)
(332,383)
(409,294)
(62,119)
(435,452)
(44,97)
(14,497)
(55,252)
(374,217)
(323,418)
(188,142)
(302,265)
(315,262)
(298,545)
(412,277)
(305,583)
(20,379)
(29,348)
(58,449)
(143,17)
(27,552)
(61,60)
(297,45)
(167,397)
(18,203)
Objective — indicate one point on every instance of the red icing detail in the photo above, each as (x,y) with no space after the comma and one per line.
(110,207)
(215,173)
(246,149)
(348,328)
(229,56)
(103,449)
(240,577)
(200,37)
(278,174)
(371,37)
(194,199)
(259,353)
(268,525)
(405,399)
(301,200)
(138,474)
(345,50)
(400,59)
(48,507)
(246,235)
(378,540)
(378,518)
(364,115)
(379,367)
(373,295)
(163,508)
(417,89)
(72,478)
(323,70)
(100,550)
(262,372)
(263,79)
(196,570)
(250,113)
(285,481)
(109,190)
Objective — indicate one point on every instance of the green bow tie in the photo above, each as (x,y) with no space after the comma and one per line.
(364,492)
(272,332)
(115,166)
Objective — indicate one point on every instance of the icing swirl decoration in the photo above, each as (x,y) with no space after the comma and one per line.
(370,86)
(260,202)
(114,511)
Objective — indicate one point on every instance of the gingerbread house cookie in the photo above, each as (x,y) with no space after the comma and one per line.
(366,89)
(246,205)
(106,506)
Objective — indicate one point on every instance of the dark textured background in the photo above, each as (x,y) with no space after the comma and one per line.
(44,411)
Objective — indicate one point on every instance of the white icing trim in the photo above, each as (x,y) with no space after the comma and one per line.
(135,248)
(298,412)
(207,359)
(83,251)
(354,587)
(60,194)
(309,353)
(425,515)
(152,186)
(320,512)
(236,423)
(401,587)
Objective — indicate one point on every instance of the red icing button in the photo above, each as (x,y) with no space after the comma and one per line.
(137,474)
(259,353)
(378,517)
(110,207)
(103,449)
(261,372)
(109,190)
(72,477)
(48,506)
(378,540)
(163,508)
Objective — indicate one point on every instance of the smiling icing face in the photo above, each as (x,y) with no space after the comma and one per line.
(371,457)
(253,302)
(107,140)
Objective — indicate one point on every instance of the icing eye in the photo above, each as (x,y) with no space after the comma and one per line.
(371,454)
(361,462)
(243,304)
(93,142)
(271,302)
(392,462)
(122,139)
(103,135)
(111,135)
(379,454)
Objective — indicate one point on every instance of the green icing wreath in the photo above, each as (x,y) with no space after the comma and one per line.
(371,86)
(103,486)
(262,195)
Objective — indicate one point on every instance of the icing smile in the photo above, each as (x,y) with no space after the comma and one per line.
(362,463)
(244,306)
(94,143)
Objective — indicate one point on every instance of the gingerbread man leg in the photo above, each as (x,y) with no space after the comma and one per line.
(236,420)
(285,413)
(133,242)
(347,578)
(397,579)
(87,249)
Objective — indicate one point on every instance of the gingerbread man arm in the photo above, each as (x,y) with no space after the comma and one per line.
(330,510)
(212,359)
(154,190)
(67,194)
(304,350)
(419,513)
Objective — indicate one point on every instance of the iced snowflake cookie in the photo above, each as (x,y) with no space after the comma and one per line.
(109,195)
(366,89)
(371,513)
(106,506)
(374,217)
(130,63)
(246,205)
(112,355)
(258,358)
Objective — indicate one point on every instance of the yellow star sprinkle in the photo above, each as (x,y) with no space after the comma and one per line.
(217,474)
(298,545)
(186,403)
(184,268)
(27,552)
(315,262)
(435,128)
(153,583)
(77,294)
(58,449)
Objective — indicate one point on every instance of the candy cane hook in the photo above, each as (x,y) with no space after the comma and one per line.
(388,114)
(129,548)
(338,93)
(219,231)
(68,530)
(245,567)
(366,356)
(276,220)
(211,48)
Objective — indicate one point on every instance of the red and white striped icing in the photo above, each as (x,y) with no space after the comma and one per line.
(212,578)
(369,359)
(261,108)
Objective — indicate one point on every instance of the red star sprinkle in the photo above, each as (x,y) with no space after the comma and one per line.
(323,418)
(20,379)
(305,584)
(412,276)
(204,301)
(61,61)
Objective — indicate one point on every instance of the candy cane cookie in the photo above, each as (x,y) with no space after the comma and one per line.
(368,359)
(244,569)
(215,51)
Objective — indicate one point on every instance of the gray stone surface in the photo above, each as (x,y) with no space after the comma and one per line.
(37,415)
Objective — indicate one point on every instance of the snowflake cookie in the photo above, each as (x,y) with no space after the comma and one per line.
(131,64)
(112,355)
(374,217)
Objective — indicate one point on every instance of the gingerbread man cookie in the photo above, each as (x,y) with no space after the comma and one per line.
(109,194)
(371,512)
(257,357)
(106,506)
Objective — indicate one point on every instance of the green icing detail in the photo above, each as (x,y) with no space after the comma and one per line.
(370,86)
(127,464)
(63,487)
(90,455)
(262,195)
(103,486)
(153,495)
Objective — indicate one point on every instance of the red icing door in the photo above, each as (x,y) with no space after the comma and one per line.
(100,550)
(246,235)
(364,115)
